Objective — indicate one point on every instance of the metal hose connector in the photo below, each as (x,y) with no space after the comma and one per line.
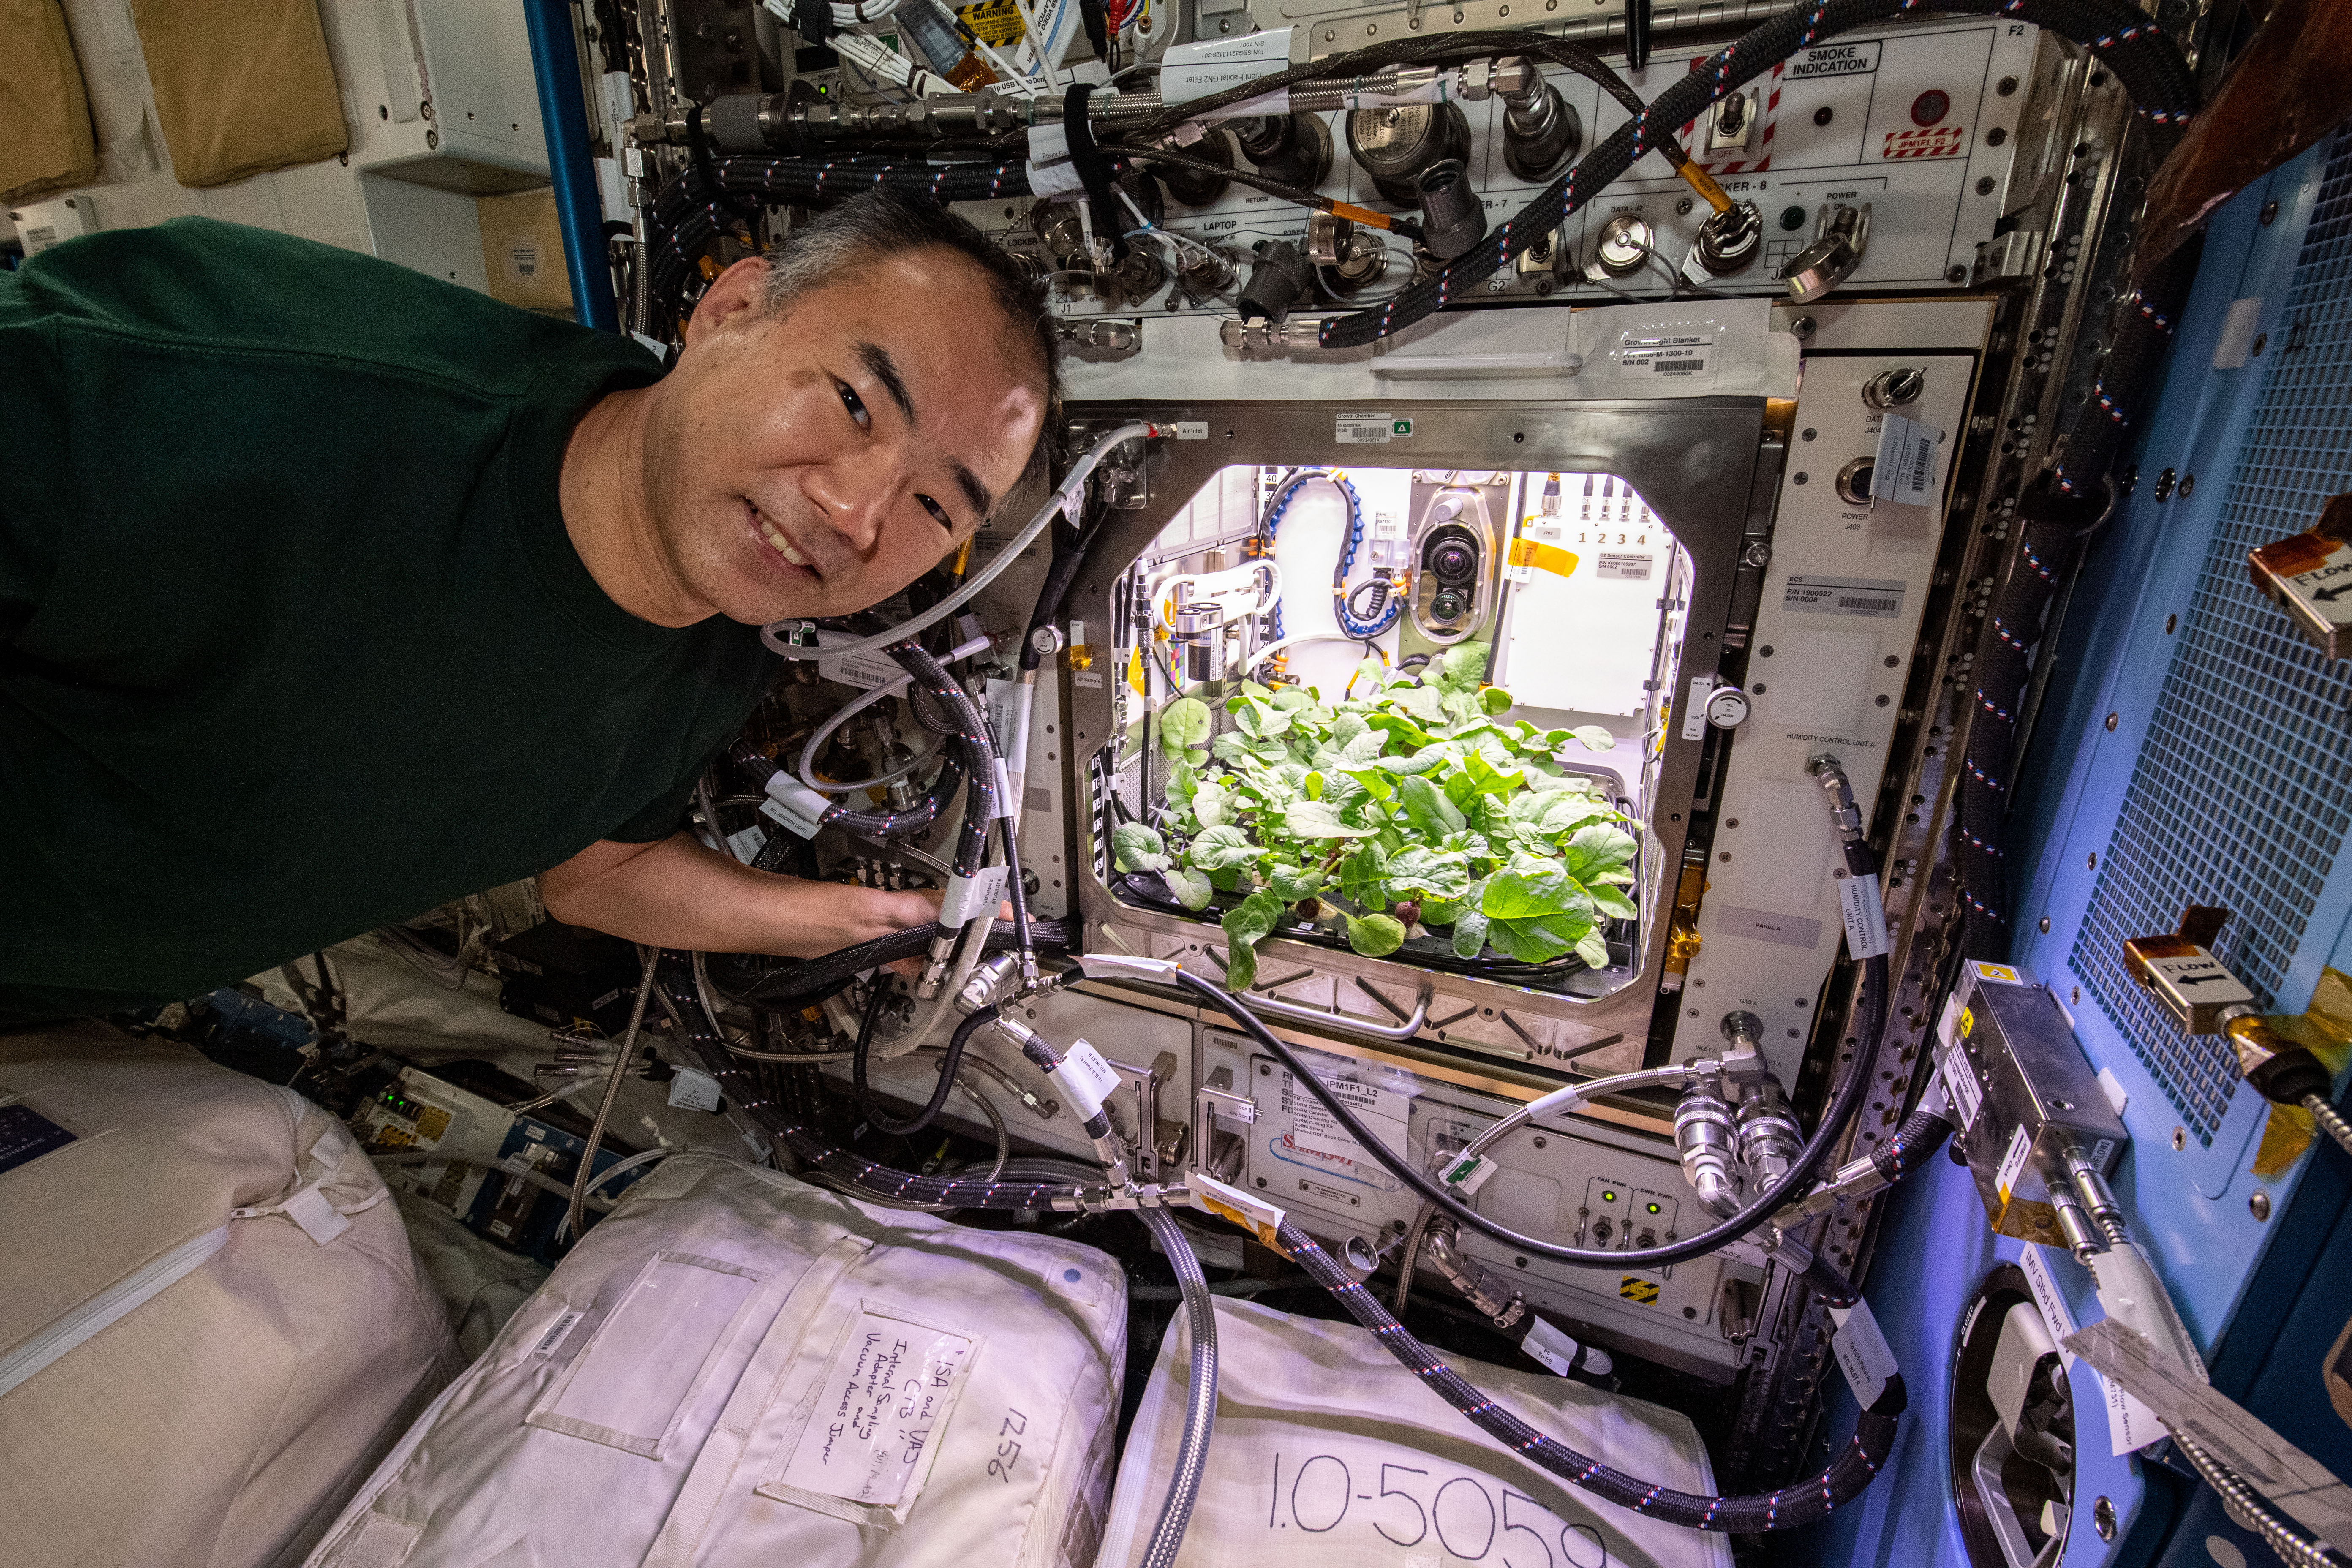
(2248,1508)
(2331,1121)
(1200,1397)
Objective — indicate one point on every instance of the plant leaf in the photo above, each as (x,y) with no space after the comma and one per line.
(1361,874)
(1183,724)
(1292,883)
(1245,925)
(1223,848)
(1593,948)
(1463,666)
(1428,809)
(1136,847)
(1375,936)
(1192,890)
(1319,819)
(1593,738)
(1530,888)
(1609,902)
(1599,850)
(1418,869)
(1232,748)
(1494,699)
(1469,930)
(1538,939)
(1213,804)
(1425,703)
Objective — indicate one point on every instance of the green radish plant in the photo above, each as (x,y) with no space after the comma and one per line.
(1413,805)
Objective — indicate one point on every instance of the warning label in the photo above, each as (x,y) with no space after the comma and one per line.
(1934,141)
(994,21)
(1634,1287)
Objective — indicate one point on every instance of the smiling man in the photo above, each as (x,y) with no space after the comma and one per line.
(329,593)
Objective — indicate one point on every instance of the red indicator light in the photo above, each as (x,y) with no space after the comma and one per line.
(1930,106)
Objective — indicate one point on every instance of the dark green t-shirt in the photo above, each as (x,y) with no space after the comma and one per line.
(293,642)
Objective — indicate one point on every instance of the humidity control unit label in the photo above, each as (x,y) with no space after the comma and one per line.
(1865,596)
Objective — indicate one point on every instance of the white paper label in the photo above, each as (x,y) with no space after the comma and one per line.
(1905,471)
(1870,597)
(1550,1346)
(2012,1162)
(1370,429)
(794,804)
(1188,71)
(1694,711)
(1960,1083)
(1314,1131)
(1051,172)
(1468,1172)
(1861,1354)
(1674,356)
(557,1333)
(1623,568)
(694,1090)
(1865,917)
(891,1387)
(746,845)
(1086,1079)
(2055,1315)
(2131,1425)
(1087,678)
(863,670)
(968,898)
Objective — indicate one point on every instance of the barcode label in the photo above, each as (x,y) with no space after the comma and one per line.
(1625,568)
(1648,355)
(1905,469)
(1843,596)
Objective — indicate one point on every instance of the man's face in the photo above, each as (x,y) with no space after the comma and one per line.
(815,461)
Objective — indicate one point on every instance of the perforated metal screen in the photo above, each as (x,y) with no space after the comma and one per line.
(2243,792)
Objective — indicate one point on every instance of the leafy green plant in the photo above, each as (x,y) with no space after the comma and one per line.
(1416,805)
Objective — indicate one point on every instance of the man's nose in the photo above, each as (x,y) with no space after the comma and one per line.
(854,499)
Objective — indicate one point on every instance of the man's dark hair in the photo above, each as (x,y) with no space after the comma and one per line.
(883,223)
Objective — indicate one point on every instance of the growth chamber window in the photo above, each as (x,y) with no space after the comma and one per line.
(1418,713)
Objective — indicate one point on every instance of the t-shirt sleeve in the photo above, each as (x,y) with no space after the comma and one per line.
(664,816)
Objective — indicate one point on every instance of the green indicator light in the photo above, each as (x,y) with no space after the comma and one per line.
(1653,1208)
(1608,1197)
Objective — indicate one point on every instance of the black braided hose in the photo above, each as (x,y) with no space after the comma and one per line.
(1806,1502)
(1787,1509)
(2142,58)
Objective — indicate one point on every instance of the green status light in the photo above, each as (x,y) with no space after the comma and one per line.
(1608,1197)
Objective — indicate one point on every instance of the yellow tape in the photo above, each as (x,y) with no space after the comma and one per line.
(1543,557)
(1704,183)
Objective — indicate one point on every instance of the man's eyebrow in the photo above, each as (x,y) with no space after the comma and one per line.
(884,369)
(982,503)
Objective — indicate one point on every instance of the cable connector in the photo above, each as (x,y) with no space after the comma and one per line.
(1828,772)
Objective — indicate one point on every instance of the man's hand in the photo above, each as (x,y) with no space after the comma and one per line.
(679,892)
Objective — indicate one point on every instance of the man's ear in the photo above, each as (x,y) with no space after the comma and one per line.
(730,296)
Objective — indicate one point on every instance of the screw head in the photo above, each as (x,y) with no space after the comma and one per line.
(1542,1143)
(2045,925)
(2180,1139)
(1802,327)
(2258,1203)
(2269,213)
(1823,115)
(2111,723)
(2008,88)
(1955,274)
(1985,186)
(2103,1518)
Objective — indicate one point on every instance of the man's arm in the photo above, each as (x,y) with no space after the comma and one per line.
(679,892)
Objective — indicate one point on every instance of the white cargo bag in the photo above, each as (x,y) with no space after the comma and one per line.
(1327,1453)
(736,1368)
(211,1323)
